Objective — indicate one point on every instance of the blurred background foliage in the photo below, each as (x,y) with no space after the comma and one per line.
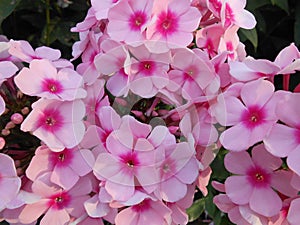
(48,22)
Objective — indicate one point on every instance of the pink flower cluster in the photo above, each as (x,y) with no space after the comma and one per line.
(128,135)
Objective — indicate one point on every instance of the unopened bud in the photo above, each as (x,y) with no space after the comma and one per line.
(16,118)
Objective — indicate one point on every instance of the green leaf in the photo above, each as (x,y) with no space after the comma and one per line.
(254,4)
(196,209)
(7,7)
(250,35)
(283,4)
(297,24)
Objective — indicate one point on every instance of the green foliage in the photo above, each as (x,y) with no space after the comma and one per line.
(7,7)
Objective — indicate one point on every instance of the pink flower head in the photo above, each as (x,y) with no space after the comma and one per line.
(42,79)
(251,117)
(284,139)
(10,183)
(128,21)
(172,26)
(154,212)
(148,71)
(66,167)
(254,181)
(233,12)
(130,159)
(191,74)
(58,124)
(24,51)
(57,204)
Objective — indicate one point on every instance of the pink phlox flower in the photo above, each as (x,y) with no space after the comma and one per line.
(208,38)
(58,124)
(233,13)
(178,168)
(252,69)
(57,204)
(284,139)
(10,183)
(148,71)
(251,115)
(129,161)
(114,63)
(254,181)
(128,21)
(66,166)
(172,25)
(44,80)
(154,212)
(95,99)
(190,74)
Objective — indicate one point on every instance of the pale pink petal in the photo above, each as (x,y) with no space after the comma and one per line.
(293,216)
(10,187)
(264,159)
(245,20)
(257,92)
(265,201)
(95,208)
(55,217)
(7,166)
(119,142)
(238,162)
(171,190)
(109,119)
(45,52)
(189,172)
(64,176)
(127,217)
(223,202)
(277,141)
(228,110)
(288,110)
(106,166)
(2,105)
(293,160)
(236,138)
(38,165)
(279,182)
(287,55)
(238,189)
(123,189)
(32,212)
(82,162)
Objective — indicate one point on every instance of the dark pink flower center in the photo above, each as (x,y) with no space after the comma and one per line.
(51,120)
(52,86)
(59,201)
(190,72)
(137,20)
(258,177)
(141,207)
(209,46)
(62,159)
(147,67)
(253,117)
(130,160)
(167,23)
(229,15)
